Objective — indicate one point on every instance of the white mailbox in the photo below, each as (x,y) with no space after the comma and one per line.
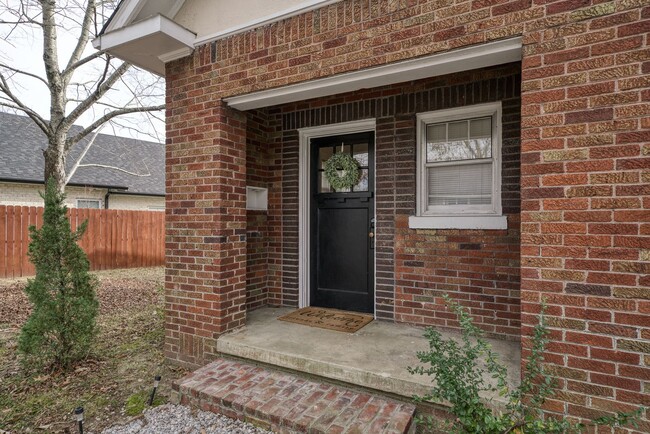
(257,198)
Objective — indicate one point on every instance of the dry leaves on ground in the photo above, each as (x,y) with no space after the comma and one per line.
(118,290)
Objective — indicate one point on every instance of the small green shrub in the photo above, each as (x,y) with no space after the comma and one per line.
(61,327)
(460,380)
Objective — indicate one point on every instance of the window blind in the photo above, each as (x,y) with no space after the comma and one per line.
(466,184)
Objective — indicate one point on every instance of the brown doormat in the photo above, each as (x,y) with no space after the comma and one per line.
(331,319)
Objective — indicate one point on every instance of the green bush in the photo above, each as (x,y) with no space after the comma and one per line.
(459,380)
(61,328)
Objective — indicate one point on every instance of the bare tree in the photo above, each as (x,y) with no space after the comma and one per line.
(84,85)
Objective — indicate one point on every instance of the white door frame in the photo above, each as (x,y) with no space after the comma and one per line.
(304,189)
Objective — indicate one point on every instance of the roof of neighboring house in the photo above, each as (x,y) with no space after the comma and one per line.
(21,158)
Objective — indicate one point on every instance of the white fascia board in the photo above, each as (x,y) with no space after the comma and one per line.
(141,29)
(464,59)
(178,4)
(127,11)
(301,8)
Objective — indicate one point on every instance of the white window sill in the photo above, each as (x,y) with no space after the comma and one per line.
(459,222)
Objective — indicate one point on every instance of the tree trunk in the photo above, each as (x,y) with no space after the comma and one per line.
(55,162)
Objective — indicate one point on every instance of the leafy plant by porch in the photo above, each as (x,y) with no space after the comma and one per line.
(460,380)
(61,328)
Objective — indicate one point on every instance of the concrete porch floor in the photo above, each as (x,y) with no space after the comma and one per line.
(375,357)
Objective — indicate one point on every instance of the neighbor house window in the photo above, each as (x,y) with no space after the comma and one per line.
(88,203)
(459,168)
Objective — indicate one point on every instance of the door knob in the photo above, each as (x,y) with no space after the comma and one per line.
(371,234)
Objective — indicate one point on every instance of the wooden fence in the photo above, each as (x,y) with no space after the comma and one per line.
(114,238)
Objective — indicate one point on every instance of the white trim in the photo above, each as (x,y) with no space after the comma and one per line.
(175,8)
(448,217)
(479,56)
(298,9)
(304,157)
(125,14)
(141,29)
(176,54)
(459,222)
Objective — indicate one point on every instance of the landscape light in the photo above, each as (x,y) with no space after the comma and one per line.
(79,417)
(156,382)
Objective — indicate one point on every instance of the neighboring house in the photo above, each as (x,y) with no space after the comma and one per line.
(115,172)
(504,150)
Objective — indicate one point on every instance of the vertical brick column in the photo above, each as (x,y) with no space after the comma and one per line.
(205,278)
(585,205)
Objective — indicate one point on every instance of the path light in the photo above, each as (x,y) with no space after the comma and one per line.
(156,382)
(79,416)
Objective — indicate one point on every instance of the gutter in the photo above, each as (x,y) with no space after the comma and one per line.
(71,184)
(133,193)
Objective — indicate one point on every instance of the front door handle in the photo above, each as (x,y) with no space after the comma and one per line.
(371,235)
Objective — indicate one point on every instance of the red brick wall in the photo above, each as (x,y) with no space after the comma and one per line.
(585,199)
(205,267)
(414,268)
(584,154)
(258,169)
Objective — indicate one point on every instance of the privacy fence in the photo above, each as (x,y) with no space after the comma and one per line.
(114,238)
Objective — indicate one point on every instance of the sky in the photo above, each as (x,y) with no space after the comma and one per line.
(24,50)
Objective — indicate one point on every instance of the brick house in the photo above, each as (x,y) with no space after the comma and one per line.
(504,151)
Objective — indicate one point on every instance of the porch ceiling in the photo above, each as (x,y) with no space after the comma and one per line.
(475,57)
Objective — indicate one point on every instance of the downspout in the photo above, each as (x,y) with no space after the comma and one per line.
(108,192)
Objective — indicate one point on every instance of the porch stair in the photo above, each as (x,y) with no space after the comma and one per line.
(286,403)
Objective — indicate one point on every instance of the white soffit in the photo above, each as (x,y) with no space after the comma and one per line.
(464,59)
(301,8)
(136,10)
(148,43)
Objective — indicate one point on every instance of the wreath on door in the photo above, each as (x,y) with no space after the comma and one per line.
(341,171)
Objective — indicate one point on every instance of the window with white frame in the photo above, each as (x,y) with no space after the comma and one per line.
(88,203)
(459,168)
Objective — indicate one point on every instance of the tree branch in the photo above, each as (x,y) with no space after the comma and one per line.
(19,71)
(102,88)
(72,67)
(107,117)
(115,168)
(83,154)
(4,87)
(51,62)
(82,41)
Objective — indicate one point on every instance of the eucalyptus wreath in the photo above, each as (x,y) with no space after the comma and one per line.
(350,171)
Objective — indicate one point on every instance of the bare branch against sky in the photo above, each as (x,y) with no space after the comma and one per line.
(50,72)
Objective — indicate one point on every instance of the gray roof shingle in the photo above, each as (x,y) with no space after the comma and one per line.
(21,158)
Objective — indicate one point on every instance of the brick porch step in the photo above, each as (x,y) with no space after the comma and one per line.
(286,403)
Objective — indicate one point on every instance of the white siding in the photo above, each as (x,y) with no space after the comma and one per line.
(124,201)
(27,195)
(205,17)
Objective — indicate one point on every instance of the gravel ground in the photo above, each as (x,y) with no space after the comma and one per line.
(178,419)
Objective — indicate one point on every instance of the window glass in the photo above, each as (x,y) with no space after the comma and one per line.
(87,203)
(362,185)
(360,153)
(459,140)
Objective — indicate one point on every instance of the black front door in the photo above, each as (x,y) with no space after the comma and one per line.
(342,227)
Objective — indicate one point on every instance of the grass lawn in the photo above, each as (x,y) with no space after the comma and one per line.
(113,383)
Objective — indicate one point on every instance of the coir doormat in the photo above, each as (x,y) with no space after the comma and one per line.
(331,319)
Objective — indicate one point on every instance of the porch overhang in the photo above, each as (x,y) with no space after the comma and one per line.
(149,43)
(475,57)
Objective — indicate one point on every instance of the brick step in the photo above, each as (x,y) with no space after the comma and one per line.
(286,403)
